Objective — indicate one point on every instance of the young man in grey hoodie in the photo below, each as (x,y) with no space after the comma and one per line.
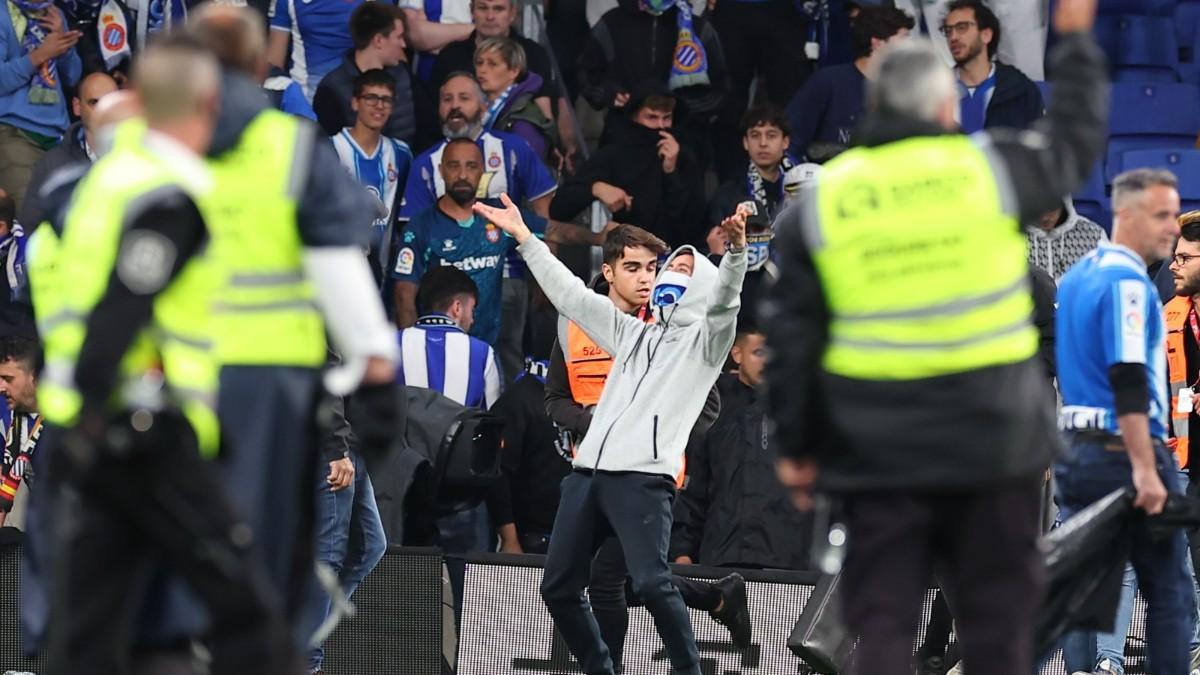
(624,474)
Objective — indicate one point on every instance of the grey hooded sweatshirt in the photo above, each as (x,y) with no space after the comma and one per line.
(1059,249)
(662,372)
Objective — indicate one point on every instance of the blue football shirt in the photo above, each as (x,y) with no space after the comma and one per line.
(476,247)
(1109,312)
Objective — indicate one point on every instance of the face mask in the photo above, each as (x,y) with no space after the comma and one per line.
(758,250)
(669,289)
(657,7)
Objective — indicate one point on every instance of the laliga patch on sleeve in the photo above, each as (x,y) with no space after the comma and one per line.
(145,261)
(1132,306)
(404,261)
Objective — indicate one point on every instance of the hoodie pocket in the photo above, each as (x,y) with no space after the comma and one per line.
(655,438)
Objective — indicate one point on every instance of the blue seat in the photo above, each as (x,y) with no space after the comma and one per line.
(1150,116)
(1091,199)
(1185,164)
(1139,47)
(1187,19)
(1045,88)
(1143,7)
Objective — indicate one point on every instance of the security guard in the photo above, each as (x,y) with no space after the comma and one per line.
(289,226)
(129,387)
(905,371)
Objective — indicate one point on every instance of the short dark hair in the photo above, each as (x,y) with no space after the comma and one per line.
(658,103)
(1189,226)
(765,115)
(376,77)
(8,208)
(22,349)
(631,236)
(745,329)
(984,17)
(373,18)
(441,286)
(879,23)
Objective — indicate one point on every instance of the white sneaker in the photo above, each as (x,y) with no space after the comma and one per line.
(956,670)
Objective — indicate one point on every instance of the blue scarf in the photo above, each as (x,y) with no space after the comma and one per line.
(496,106)
(43,88)
(538,369)
(689,66)
(973,107)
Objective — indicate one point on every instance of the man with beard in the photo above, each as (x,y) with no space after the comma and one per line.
(20,360)
(991,94)
(510,166)
(450,233)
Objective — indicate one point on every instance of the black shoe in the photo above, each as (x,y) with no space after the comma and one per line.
(734,613)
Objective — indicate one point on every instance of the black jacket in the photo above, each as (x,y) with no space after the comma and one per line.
(733,512)
(532,464)
(670,205)
(69,151)
(1016,103)
(963,429)
(331,102)
(628,45)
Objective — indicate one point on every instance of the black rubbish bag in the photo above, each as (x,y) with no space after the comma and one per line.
(819,636)
(1085,558)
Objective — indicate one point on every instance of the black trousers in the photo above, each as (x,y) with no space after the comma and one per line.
(125,517)
(984,544)
(636,508)
(611,596)
(763,38)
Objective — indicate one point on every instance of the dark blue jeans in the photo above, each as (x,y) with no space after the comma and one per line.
(350,539)
(1092,470)
(636,507)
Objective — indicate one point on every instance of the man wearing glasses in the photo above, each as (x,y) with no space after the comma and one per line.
(991,94)
(379,162)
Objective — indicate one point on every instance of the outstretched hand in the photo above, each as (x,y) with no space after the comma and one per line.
(734,227)
(508,218)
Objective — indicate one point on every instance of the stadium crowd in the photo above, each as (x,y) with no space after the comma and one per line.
(632,128)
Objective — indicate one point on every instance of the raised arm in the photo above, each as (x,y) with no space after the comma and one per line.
(595,314)
(726,300)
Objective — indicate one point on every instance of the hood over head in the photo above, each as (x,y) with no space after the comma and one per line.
(693,304)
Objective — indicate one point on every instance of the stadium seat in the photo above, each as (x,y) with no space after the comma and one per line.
(1142,7)
(1139,48)
(1149,117)
(1045,88)
(1187,18)
(1091,199)
(1185,164)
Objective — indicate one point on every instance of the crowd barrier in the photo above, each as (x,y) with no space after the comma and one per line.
(505,627)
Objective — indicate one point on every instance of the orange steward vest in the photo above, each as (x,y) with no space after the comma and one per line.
(1177,322)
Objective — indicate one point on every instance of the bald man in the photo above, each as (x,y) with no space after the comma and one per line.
(77,145)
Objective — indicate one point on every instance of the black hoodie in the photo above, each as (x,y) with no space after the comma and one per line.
(628,45)
(670,205)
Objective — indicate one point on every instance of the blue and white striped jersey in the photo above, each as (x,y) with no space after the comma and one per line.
(437,354)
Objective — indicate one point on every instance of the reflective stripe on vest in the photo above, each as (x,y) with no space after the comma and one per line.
(1177,320)
(171,359)
(266,313)
(587,366)
(923,271)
